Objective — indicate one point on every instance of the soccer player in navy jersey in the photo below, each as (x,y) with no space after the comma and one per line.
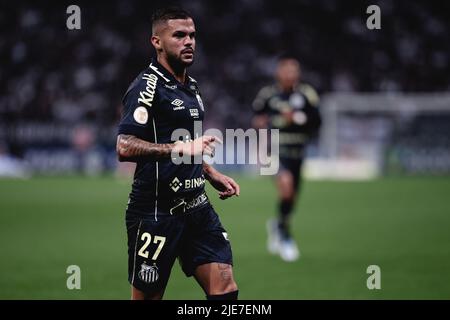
(169,215)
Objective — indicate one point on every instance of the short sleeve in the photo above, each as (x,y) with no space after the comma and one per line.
(138,108)
(311,94)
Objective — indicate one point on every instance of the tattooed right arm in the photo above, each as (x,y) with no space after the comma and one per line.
(131,148)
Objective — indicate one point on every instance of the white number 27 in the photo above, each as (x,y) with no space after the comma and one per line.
(143,252)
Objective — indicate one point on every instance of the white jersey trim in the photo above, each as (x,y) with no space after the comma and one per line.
(158,72)
(157,174)
(135,249)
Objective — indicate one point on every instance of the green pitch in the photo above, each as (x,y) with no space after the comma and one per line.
(400,224)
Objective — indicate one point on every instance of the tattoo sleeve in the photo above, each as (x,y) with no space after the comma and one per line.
(131,148)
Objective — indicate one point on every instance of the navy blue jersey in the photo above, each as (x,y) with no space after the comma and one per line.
(303,103)
(155,105)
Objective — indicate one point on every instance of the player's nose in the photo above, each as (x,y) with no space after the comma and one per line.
(188,42)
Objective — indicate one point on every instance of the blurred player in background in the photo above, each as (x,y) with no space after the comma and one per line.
(169,215)
(292,107)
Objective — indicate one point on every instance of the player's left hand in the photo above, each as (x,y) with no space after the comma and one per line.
(226,186)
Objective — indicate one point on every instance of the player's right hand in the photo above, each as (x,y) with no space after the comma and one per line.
(204,145)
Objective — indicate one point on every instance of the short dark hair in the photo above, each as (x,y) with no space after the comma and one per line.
(287,56)
(169,13)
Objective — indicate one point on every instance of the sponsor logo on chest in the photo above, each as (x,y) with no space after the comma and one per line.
(194,113)
(178,104)
(194,183)
(176,184)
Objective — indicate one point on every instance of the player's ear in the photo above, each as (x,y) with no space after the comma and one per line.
(156,42)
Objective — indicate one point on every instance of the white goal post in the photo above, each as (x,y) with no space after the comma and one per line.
(365,135)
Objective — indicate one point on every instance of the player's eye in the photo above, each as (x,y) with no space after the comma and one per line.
(192,35)
(179,35)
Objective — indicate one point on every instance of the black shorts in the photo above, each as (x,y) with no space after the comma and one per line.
(294,166)
(194,238)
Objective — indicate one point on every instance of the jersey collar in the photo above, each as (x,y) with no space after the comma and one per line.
(167,76)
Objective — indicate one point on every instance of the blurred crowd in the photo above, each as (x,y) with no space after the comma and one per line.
(50,74)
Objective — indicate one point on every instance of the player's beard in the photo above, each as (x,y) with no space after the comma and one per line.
(177,63)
